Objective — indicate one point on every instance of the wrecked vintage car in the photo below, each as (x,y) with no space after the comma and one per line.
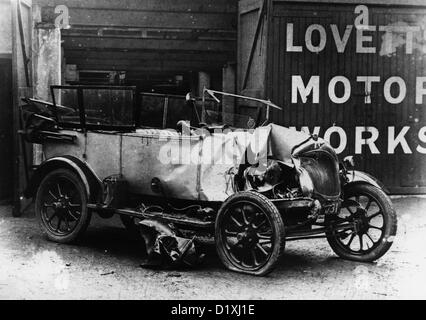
(249,184)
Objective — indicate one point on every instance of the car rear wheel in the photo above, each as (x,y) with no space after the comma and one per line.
(61,206)
(371,212)
(249,234)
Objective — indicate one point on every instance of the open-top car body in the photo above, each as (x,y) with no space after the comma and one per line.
(250,184)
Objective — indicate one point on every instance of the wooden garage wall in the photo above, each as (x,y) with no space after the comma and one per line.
(402,170)
(152,36)
(22,30)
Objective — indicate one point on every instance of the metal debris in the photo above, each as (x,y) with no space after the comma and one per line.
(165,245)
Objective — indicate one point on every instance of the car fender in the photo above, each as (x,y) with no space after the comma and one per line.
(91,182)
(355,176)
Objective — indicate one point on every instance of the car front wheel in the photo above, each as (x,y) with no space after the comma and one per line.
(249,234)
(61,206)
(369,210)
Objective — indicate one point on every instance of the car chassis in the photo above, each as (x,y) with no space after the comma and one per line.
(293,188)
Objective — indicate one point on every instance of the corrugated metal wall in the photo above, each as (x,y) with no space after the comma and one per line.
(291,61)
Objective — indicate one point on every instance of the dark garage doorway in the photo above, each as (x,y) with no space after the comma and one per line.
(6,120)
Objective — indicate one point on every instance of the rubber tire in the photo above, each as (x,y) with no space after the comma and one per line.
(389,220)
(277,224)
(86,215)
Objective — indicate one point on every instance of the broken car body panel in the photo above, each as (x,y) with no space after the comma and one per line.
(189,167)
(253,185)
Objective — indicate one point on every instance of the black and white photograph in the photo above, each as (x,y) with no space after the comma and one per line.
(212,150)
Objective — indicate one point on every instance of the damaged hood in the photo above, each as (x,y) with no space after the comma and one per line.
(203,168)
(276,142)
(273,141)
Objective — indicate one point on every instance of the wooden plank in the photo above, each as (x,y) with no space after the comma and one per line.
(247,31)
(146,55)
(146,69)
(364,2)
(254,45)
(217,6)
(143,63)
(151,33)
(246,6)
(23,45)
(148,78)
(147,19)
(20,89)
(130,44)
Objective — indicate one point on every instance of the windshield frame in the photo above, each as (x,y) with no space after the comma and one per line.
(81,108)
(267,103)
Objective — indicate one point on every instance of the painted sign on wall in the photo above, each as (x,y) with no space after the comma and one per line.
(339,88)
(355,75)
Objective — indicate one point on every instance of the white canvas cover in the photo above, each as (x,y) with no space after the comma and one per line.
(189,167)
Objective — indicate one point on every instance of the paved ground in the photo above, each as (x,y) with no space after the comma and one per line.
(106,265)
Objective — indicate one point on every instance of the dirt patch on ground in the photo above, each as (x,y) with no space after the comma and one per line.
(106,265)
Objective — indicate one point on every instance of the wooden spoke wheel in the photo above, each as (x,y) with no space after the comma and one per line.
(61,206)
(374,222)
(249,233)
